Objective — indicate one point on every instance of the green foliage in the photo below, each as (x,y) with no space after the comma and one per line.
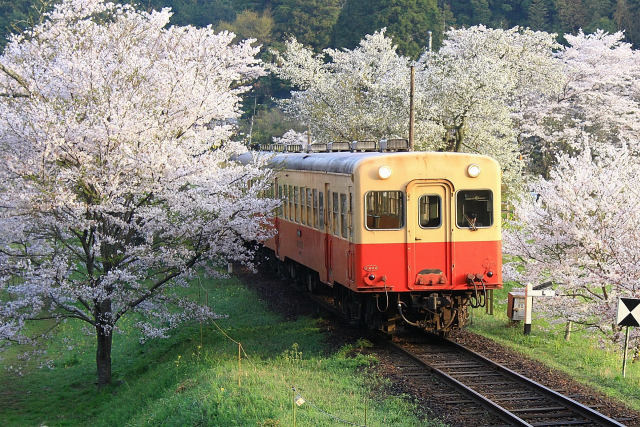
(268,123)
(192,377)
(193,12)
(407,21)
(343,23)
(310,21)
(251,25)
(16,15)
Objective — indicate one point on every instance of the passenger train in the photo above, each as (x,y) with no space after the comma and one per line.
(397,236)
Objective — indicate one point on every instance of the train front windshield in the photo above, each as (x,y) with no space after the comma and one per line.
(474,208)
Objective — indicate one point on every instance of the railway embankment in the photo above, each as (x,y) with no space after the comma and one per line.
(504,343)
(195,377)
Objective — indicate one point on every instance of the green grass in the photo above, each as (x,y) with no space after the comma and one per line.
(583,357)
(185,381)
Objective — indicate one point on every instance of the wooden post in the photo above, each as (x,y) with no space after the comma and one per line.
(488,307)
(239,363)
(528,301)
(200,302)
(365,411)
(491,303)
(567,331)
(293,404)
(412,90)
(624,357)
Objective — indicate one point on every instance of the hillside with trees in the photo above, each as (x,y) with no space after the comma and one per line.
(343,23)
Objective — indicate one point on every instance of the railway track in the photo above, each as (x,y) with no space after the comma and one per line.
(479,391)
(511,398)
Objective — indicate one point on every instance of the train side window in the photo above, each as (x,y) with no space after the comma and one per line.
(280,198)
(343,216)
(335,214)
(315,208)
(474,208)
(285,201)
(309,208)
(384,210)
(429,211)
(290,199)
(329,213)
(321,210)
(296,202)
(303,206)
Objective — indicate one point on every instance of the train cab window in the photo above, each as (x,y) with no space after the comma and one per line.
(384,210)
(474,208)
(321,210)
(309,208)
(335,214)
(282,201)
(429,211)
(343,216)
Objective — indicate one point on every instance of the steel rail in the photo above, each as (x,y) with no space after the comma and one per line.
(501,412)
(588,413)
(578,407)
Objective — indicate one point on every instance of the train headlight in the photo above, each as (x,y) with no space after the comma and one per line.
(473,170)
(384,172)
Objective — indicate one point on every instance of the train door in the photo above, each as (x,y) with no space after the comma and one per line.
(429,233)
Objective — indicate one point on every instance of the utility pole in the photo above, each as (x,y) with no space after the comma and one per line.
(411,112)
(252,116)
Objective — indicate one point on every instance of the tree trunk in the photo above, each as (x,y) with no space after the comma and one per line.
(103,355)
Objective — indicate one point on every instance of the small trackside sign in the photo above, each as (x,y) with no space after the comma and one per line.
(628,312)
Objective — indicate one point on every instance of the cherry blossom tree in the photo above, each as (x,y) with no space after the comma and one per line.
(599,100)
(467,93)
(357,94)
(115,166)
(471,91)
(579,229)
(292,137)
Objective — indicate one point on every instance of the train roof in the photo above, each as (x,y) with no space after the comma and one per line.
(339,162)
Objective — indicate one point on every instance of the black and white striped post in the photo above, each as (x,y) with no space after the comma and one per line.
(628,315)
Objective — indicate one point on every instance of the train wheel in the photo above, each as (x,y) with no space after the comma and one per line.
(372,318)
(312,282)
(281,269)
(291,267)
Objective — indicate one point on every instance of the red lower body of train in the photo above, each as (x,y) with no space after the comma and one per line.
(430,285)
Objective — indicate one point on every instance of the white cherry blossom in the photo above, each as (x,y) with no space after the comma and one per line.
(115,171)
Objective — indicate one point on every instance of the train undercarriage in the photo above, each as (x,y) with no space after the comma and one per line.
(436,311)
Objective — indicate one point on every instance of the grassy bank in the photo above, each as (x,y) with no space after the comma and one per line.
(582,357)
(194,379)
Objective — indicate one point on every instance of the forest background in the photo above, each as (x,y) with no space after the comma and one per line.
(343,23)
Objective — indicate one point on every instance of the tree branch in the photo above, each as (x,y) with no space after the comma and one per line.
(15,76)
